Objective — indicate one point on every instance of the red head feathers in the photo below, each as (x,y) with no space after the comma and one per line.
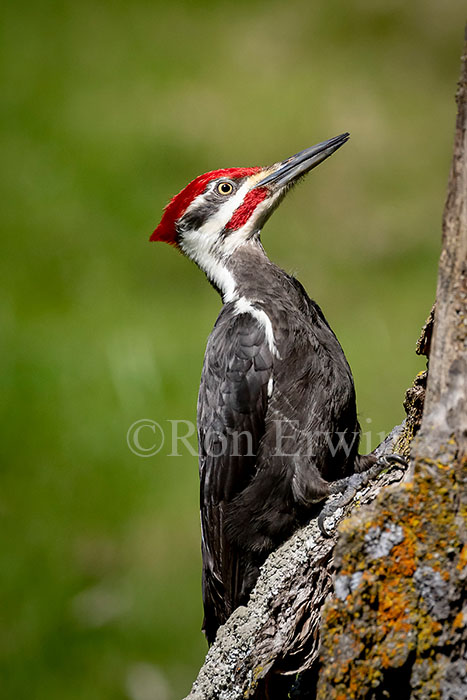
(179,204)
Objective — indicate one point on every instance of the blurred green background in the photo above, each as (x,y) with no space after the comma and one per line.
(108,110)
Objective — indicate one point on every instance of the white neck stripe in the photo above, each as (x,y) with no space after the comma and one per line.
(243,306)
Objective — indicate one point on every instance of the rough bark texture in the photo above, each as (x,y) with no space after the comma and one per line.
(379,610)
(403,629)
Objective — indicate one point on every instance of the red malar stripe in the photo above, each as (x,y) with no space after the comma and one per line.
(246,209)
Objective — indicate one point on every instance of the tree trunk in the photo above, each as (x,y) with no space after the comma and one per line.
(379,610)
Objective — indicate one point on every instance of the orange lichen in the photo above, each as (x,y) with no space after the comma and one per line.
(459,620)
(402,556)
(462,563)
(385,620)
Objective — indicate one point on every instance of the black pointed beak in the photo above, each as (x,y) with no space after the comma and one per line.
(289,170)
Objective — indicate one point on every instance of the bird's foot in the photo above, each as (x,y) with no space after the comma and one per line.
(350,485)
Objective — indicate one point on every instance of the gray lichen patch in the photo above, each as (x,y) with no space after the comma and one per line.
(344,584)
(379,542)
(434,591)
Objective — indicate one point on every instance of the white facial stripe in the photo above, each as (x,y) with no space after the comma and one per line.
(200,244)
(243,306)
(210,251)
(217,222)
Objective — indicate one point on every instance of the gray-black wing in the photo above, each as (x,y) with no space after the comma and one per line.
(232,408)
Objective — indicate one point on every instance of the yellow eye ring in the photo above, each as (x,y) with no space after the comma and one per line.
(225,188)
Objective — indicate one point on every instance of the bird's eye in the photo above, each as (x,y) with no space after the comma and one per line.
(225,188)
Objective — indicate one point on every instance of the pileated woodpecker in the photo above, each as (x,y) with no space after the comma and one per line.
(277,420)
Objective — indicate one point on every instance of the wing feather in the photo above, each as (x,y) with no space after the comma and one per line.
(232,408)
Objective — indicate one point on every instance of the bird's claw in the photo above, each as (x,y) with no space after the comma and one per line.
(388,460)
(349,486)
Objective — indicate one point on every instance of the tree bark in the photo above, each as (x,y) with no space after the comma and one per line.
(379,610)
(403,629)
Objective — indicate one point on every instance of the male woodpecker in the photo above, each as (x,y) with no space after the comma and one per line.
(277,420)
